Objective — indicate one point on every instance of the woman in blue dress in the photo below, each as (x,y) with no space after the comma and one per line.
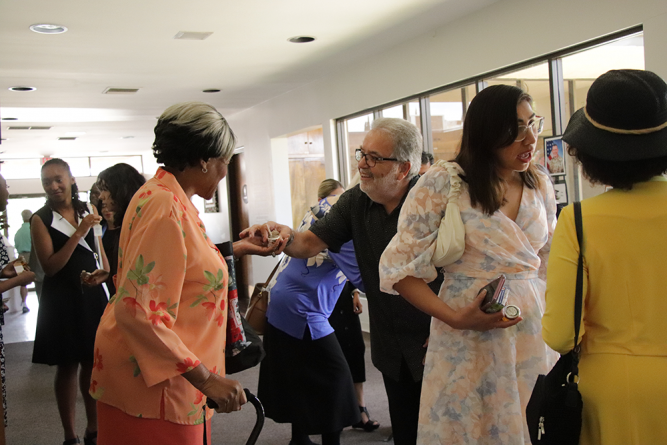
(304,379)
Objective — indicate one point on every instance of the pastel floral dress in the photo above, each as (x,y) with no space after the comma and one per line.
(477,384)
(169,312)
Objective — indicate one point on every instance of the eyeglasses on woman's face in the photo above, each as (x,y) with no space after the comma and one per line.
(371,160)
(536,125)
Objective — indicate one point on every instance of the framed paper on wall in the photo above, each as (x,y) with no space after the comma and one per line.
(554,155)
(560,188)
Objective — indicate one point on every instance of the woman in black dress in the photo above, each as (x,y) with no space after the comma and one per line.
(347,326)
(110,242)
(72,301)
(117,185)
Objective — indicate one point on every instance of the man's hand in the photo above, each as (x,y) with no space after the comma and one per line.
(259,235)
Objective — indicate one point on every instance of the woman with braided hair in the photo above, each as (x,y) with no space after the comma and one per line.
(72,299)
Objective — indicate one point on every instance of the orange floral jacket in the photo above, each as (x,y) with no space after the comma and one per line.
(169,312)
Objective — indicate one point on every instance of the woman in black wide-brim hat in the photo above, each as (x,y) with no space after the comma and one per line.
(620,139)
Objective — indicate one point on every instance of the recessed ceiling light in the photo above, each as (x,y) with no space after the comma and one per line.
(22,88)
(10,118)
(47,28)
(211,90)
(301,39)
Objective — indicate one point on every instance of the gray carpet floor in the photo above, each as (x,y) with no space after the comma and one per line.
(34,420)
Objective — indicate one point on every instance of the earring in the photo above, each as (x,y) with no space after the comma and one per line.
(204,170)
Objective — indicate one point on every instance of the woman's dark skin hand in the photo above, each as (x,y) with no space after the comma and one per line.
(227,393)
(259,233)
(9,271)
(253,246)
(357,307)
(95,278)
(26,277)
(86,223)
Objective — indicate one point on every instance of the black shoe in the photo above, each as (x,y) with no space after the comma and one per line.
(72,441)
(369,426)
(90,438)
(294,442)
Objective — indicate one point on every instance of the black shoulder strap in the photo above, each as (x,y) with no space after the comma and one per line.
(578,297)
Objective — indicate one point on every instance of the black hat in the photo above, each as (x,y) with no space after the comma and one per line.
(625,117)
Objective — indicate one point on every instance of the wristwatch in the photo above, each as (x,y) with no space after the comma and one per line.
(290,239)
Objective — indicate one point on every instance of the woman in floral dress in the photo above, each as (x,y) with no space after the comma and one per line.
(159,351)
(478,378)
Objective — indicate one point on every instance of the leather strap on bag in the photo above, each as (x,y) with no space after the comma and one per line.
(272,274)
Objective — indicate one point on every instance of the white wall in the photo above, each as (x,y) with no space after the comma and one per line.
(503,34)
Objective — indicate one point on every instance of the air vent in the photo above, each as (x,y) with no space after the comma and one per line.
(14,127)
(67,138)
(111,90)
(186,35)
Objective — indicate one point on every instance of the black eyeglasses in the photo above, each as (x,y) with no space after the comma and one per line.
(370,159)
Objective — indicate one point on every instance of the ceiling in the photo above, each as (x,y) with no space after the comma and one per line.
(131,44)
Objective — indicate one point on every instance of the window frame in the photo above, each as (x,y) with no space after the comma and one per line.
(556,92)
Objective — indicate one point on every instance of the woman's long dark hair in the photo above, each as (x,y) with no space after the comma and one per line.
(491,124)
(80,207)
(121,181)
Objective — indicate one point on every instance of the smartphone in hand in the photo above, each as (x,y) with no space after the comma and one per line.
(496,295)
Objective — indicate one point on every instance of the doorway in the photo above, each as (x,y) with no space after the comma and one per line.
(306,170)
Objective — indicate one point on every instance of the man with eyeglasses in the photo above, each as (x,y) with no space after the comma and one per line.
(388,163)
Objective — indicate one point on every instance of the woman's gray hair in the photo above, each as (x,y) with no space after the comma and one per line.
(189,132)
(407,140)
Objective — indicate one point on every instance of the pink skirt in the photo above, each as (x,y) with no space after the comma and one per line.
(115,427)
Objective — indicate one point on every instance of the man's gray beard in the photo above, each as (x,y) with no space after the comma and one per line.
(385,184)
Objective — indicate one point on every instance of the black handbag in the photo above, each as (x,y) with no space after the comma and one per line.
(555,406)
(250,356)
(244,348)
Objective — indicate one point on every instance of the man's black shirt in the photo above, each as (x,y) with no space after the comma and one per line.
(398,329)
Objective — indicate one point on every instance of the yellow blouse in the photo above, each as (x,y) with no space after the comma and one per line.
(623,336)
(169,312)
(624,309)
